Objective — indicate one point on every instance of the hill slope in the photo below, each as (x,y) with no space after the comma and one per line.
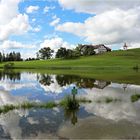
(115,59)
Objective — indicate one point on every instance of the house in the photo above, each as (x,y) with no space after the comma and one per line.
(98,49)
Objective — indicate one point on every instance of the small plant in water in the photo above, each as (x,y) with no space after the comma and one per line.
(135,97)
(48,105)
(69,103)
(108,100)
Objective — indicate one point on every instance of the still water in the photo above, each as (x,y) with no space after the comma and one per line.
(118,118)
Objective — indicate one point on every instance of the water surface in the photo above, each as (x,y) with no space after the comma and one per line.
(118,118)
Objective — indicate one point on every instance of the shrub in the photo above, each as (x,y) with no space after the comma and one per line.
(9,66)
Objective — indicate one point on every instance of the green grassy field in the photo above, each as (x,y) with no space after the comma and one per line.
(111,60)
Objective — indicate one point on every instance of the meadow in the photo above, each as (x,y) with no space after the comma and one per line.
(121,59)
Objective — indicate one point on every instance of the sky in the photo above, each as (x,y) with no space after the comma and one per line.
(28,25)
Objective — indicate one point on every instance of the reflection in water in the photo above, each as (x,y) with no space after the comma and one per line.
(80,82)
(119,119)
(45,79)
(71,114)
(9,74)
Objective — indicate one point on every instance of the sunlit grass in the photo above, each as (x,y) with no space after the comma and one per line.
(114,59)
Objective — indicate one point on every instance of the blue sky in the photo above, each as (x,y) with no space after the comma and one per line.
(28,25)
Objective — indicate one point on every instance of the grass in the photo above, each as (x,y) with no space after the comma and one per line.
(135,97)
(65,103)
(110,60)
(116,66)
(69,103)
(27,105)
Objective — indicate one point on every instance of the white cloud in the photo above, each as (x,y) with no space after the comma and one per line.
(32,9)
(110,27)
(97,6)
(11,21)
(55,22)
(17,26)
(55,43)
(8,10)
(8,44)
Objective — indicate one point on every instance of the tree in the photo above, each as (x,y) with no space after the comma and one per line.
(12,56)
(0,57)
(66,53)
(61,53)
(85,50)
(45,53)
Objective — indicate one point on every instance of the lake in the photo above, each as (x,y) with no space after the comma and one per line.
(111,113)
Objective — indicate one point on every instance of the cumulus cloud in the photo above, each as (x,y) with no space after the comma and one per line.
(17,26)
(97,6)
(110,27)
(56,43)
(12,23)
(32,9)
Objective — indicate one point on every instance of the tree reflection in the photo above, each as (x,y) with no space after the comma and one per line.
(45,79)
(80,82)
(10,75)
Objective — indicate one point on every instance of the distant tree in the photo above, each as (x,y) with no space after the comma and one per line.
(69,53)
(12,56)
(84,50)
(61,53)
(66,53)
(18,57)
(0,57)
(45,53)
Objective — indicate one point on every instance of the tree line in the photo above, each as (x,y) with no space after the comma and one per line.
(47,52)
(12,56)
